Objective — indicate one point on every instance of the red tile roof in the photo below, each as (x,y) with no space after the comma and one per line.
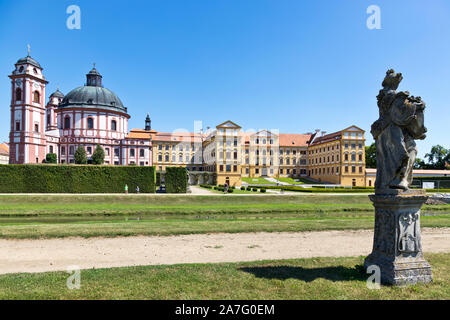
(327,138)
(4,149)
(294,140)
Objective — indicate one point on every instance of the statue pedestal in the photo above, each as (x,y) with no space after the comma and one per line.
(397,245)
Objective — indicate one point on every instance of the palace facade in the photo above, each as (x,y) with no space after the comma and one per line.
(92,114)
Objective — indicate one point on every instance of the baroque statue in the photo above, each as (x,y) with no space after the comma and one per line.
(401,122)
(397,244)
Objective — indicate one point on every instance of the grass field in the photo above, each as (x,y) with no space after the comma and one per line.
(120,215)
(317,278)
(289,180)
(257,180)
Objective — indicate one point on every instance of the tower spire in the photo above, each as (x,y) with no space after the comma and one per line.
(148,123)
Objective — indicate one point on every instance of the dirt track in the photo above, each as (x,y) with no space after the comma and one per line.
(58,254)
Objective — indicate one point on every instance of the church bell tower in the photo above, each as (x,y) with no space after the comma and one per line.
(27,139)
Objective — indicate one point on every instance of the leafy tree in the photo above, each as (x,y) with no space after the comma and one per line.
(420,164)
(437,157)
(99,155)
(51,158)
(371,156)
(80,155)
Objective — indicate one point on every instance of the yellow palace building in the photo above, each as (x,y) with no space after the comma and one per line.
(227,153)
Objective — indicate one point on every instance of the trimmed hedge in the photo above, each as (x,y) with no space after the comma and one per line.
(176,180)
(18,178)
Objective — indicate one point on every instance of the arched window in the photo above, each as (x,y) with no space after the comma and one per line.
(48,120)
(36,97)
(90,123)
(142,153)
(18,94)
(113,125)
(67,123)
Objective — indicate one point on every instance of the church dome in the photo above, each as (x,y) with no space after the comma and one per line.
(93,96)
(57,94)
(29,60)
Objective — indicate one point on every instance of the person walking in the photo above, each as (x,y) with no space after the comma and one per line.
(126,189)
(137,189)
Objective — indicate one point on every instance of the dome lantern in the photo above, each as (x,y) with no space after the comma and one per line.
(94,78)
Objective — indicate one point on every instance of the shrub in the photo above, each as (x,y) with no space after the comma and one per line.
(242,188)
(230,190)
(255,189)
(80,156)
(176,180)
(262,190)
(98,157)
(249,189)
(51,158)
(75,179)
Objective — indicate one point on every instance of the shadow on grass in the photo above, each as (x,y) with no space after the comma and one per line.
(338,273)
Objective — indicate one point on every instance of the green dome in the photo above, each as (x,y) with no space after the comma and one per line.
(91,97)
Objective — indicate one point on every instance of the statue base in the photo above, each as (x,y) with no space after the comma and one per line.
(397,244)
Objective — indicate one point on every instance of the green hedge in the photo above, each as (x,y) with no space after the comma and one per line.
(75,179)
(176,180)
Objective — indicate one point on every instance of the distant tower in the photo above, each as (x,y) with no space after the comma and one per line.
(148,123)
(53,102)
(27,136)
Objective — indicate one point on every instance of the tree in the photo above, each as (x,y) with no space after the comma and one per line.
(371,156)
(437,157)
(51,158)
(80,155)
(420,164)
(99,155)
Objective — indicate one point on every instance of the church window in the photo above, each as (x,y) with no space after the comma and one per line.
(131,152)
(89,150)
(113,125)
(19,94)
(67,123)
(142,153)
(36,97)
(17,125)
(36,128)
(90,123)
(71,150)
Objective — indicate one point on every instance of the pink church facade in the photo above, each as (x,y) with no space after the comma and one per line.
(86,116)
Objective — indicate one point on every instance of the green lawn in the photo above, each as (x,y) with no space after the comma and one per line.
(89,216)
(317,278)
(289,180)
(257,180)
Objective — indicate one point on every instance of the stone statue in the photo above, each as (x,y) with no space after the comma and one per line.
(397,246)
(401,122)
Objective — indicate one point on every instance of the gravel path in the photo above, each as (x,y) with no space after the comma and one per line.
(58,254)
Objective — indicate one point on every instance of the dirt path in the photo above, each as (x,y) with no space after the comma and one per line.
(58,254)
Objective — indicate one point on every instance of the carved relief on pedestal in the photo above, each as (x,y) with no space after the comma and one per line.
(384,237)
(408,237)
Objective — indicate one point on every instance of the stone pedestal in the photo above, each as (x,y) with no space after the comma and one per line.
(397,245)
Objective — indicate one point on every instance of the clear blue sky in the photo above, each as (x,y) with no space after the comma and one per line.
(290,65)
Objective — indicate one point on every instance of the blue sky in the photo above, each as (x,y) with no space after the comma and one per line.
(290,65)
